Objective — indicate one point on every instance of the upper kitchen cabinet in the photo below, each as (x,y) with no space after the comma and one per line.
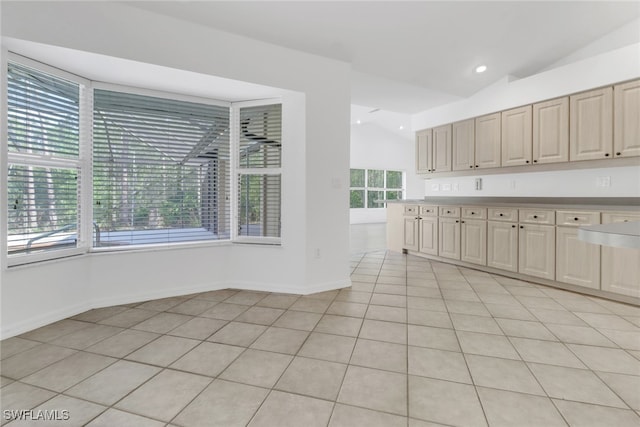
(516,136)
(464,145)
(591,125)
(488,131)
(551,131)
(626,133)
(424,151)
(442,149)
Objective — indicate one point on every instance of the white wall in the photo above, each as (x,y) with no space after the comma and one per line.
(373,147)
(602,69)
(315,168)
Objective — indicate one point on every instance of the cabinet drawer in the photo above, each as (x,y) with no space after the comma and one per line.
(474,213)
(411,210)
(577,218)
(613,217)
(537,216)
(503,214)
(449,212)
(428,211)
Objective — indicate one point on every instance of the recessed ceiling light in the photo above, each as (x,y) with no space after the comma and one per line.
(401,127)
(358,122)
(481,69)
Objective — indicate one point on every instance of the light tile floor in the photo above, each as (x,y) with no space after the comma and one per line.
(411,343)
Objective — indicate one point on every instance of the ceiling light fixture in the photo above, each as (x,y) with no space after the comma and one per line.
(401,127)
(358,122)
(481,69)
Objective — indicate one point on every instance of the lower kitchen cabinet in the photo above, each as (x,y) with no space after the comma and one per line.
(411,241)
(620,266)
(428,240)
(577,262)
(474,241)
(449,238)
(537,250)
(502,245)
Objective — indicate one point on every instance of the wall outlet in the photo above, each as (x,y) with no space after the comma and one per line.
(604,181)
(446,187)
(435,187)
(456,187)
(512,184)
(317,253)
(478,184)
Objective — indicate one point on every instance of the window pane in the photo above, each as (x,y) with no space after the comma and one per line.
(259,205)
(376,178)
(357,199)
(372,197)
(261,136)
(43,209)
(161,170)
(394,195)
(357,178)
(43,113)
(394,179)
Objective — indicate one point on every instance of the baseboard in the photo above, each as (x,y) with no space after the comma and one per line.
(8,331)
(287,289)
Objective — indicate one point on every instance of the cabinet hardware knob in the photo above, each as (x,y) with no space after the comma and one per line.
(473,213)
(535,216)
(461,221)
(522,226)
(606,154)
(471,166)
(513,226)
(527,161)
(535,161)
(448,211)
(477,166)
(457,221)
(501,215)
(618,153)
(575,219)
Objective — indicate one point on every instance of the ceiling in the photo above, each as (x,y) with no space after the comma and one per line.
(410,56)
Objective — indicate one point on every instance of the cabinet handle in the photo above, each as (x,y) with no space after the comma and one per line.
(522,226)
(461,221)
(535,161)
(471,166)
(501,215)
(457,221)
(527,161)
(606,154)
(535,216)
(575,219)
(448,211)
(477,166)
(513,226)
(473,213)
(618,154)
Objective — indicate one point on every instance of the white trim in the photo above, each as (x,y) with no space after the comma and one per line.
(51,255)
(155,247)
(4,164)
(234,144)
(41,66)
(157,94)
(42,160)
(288,289)
(85,187)
(257,240)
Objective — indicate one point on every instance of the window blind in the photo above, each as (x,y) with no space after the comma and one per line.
(43,129)
(160,170)
(259,172)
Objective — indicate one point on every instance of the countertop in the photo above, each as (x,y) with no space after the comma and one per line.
(622,234)
(557,203)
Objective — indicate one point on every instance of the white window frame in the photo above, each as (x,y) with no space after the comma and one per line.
(237,171)
(39,160)
(384,189)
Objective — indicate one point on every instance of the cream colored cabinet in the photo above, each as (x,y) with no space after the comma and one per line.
(488,137)
(442,149)
(473,247)
(424,151)
(626,134)
(428,241)
(536,250)
(591,125)
(551,131)
(395,226)
(620,266)
(463,145)
(411,226)
(502,245)
(577,262)
(516,136)
(449,237)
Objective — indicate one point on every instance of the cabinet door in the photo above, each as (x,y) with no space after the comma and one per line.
(591,125)
(429,235)
(424,151)
(536,249)
(464,145)
(502,245)
(577,262)
(474,241)
(516,136)
(620,266)
(449,238)
(488,141)
(411,233)
(551,131)
(626,112)
(395,226)
(442,149)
